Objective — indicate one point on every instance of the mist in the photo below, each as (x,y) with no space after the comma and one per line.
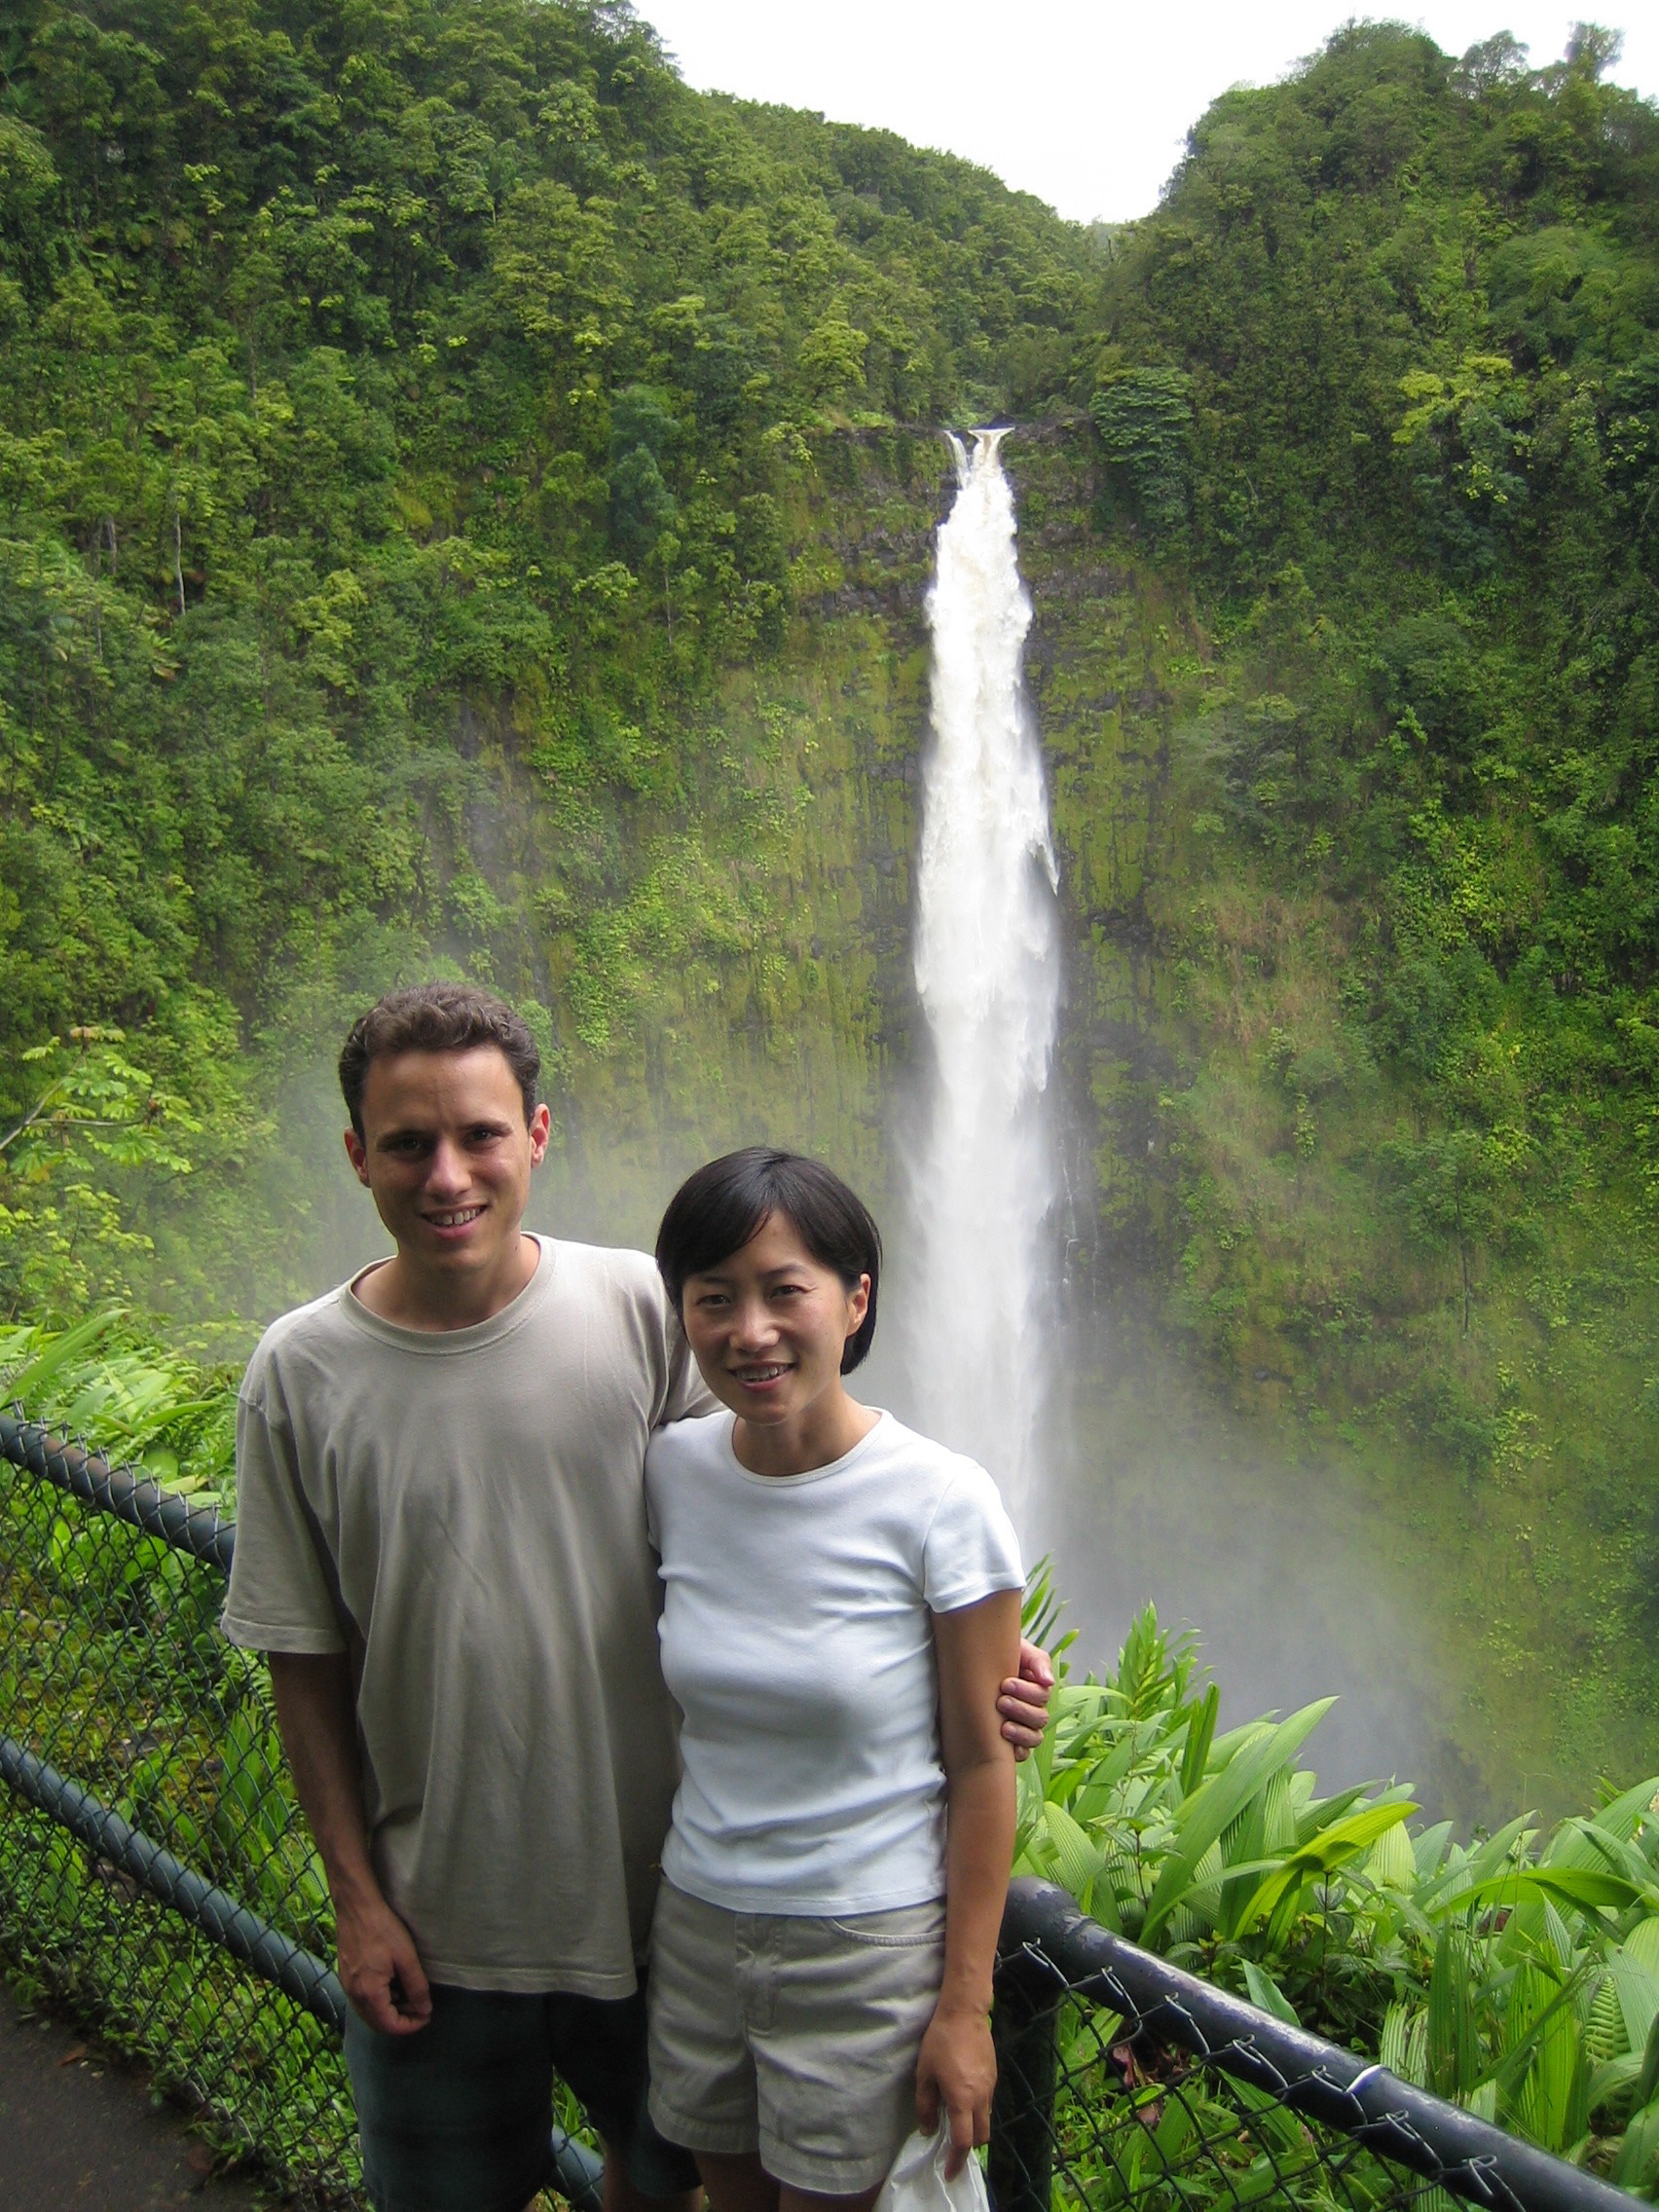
(1146,1486)
(1159,1493)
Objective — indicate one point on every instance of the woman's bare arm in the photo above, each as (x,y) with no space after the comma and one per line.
(978,1650)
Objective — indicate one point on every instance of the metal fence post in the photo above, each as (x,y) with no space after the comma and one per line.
(1020,2164)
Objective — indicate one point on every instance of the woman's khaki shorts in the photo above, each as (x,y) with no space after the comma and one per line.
(793,2036)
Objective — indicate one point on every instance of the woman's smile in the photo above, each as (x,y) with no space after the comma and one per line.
(769,1327)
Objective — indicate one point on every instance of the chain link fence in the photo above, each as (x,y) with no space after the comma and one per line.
(155,1874)
(1123,2082)
(151,1851)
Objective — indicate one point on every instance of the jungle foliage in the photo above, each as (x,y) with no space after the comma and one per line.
(418,418)
(1382,374)
(389,392)
(1405,909)
(380,385)
(1517,1975)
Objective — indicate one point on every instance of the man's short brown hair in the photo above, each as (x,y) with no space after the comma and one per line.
(436,1017)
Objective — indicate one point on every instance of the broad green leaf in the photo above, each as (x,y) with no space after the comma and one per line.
(1583,1888)
(36,1378)
(1200,1732)
(1631,1809)
(1586,1843)
(1223,1795)
(1612,2080)
(1561,1942)
(1428,1850)
(1077,1859)
(1549,2093)
(1636,2164)
(1327,1852)
(1392,2046)
(1390,1862)
(1647,2081)
(1638,1988)
(1318,1813)
(1454,2043)
(1266,1995)
(1447,1890)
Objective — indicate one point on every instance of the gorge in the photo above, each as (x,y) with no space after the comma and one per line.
(468,504)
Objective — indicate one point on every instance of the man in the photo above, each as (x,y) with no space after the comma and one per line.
(441,1545)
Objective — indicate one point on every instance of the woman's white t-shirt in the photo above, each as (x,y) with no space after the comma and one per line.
(797,1641)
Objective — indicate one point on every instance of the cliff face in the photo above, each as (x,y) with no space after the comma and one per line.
(796,1013)
(403,455)
(1240,1290)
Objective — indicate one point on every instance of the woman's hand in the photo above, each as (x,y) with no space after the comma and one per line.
(957,2069)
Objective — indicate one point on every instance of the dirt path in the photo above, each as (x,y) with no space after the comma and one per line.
(78,2132)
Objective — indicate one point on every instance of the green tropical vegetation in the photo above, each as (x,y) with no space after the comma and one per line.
(1378,378)
(113,1673)
(404,419)
(466,500)
(1517,1975)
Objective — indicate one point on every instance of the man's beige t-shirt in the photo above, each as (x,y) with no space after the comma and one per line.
(465,1513)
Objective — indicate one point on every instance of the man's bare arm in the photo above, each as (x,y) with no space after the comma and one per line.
(379,1969)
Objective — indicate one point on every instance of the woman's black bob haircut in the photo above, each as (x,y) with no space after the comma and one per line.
(714,1213)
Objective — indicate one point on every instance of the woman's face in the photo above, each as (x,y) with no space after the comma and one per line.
(768,1325)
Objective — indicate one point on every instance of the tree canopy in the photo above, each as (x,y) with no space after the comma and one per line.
(373,374)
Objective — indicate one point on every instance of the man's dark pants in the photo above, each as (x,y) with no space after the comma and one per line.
(457,2117)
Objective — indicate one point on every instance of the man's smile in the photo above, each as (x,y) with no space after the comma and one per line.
(456,1218)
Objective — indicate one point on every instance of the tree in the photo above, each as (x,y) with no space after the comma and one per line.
(1143,418)
(832,360)
(66,1241)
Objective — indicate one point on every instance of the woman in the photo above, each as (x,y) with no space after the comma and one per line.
(841,1603)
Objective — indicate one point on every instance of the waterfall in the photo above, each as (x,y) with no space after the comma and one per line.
(987,971)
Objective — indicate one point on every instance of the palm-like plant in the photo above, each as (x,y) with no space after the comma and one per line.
(1174,1834)
(1540,2002)
(1519,1975)
(132,1398)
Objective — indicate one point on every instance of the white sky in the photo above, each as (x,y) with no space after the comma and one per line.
(1085,102)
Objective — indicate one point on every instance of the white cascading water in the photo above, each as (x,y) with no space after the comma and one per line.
(987,969)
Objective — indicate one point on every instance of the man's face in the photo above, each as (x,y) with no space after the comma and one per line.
(446,1152)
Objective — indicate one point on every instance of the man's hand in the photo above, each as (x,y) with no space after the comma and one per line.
(381,1970)
(1023,1700)
(316,1713)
